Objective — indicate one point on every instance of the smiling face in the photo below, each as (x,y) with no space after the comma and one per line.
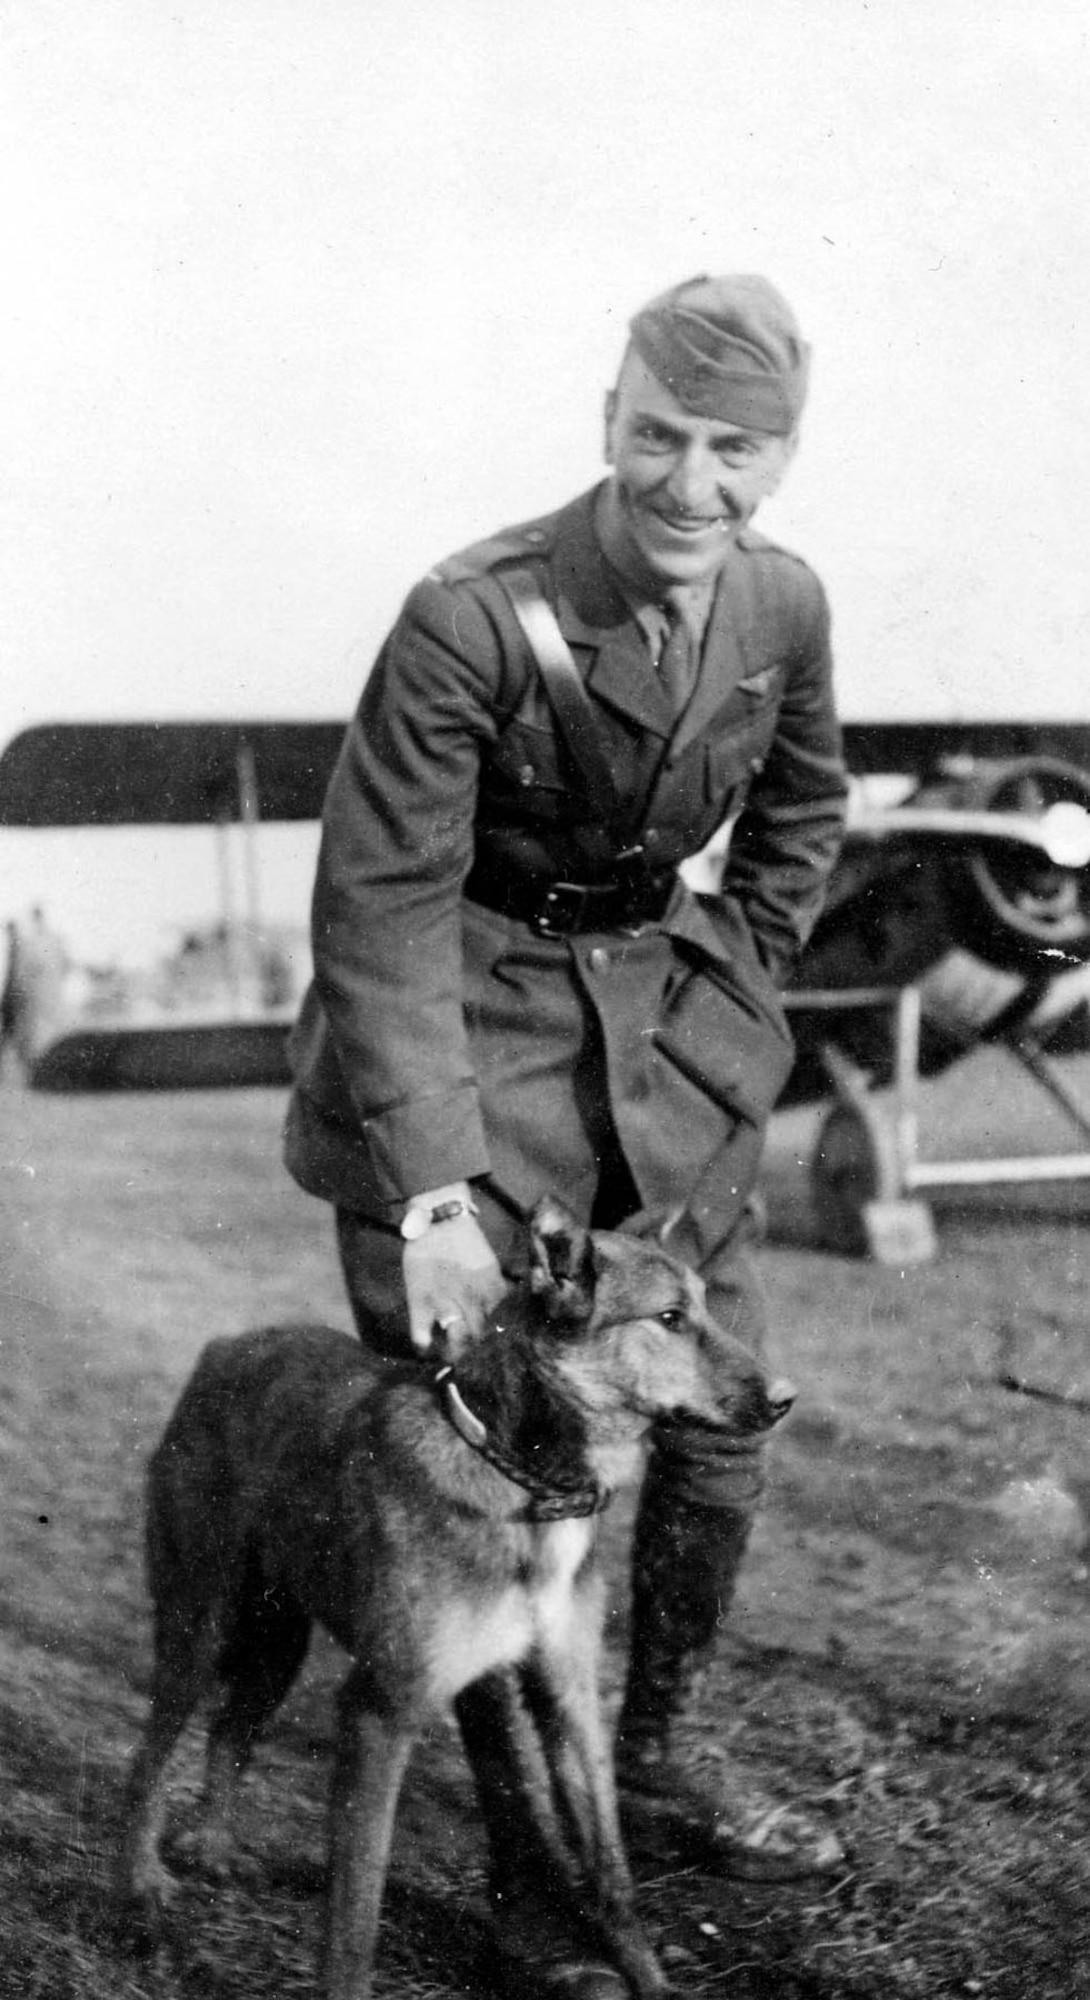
(683,485)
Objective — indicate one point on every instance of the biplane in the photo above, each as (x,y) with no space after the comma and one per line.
(959,913)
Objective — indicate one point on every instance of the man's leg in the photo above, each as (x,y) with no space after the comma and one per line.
(692,1528)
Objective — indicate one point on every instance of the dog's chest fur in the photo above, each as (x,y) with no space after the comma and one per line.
(553,1580)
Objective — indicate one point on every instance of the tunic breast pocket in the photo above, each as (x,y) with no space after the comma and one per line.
(741,738)
(525,767)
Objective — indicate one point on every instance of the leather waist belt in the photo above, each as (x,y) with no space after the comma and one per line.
(565,909)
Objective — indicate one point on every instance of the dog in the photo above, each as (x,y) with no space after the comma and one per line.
(441,1525)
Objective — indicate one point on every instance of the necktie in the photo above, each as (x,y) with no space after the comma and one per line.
(680,656)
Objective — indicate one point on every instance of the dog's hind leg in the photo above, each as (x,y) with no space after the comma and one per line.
(372,1754)
(184,1651)
(262,1650)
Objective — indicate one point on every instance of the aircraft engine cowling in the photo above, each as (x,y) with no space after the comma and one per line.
(1019,907)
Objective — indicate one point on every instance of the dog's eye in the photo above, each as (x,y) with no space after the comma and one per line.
(672,1318)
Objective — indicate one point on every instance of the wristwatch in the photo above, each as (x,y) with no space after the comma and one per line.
(417,1219)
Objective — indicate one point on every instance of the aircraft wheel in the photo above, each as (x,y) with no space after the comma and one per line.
(853,1164)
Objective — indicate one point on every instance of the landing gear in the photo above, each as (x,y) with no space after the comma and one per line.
(851,1168)
(857,1177)
(866,1174)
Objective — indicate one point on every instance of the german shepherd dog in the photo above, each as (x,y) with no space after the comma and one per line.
(441,1526)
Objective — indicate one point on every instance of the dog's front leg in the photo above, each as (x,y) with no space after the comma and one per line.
(580,1759)
(371,1756)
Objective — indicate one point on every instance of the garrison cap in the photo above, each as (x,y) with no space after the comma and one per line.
(728,348)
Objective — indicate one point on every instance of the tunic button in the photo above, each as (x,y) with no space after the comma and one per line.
(527,774)
(599,958)
(756,764)
(651,837)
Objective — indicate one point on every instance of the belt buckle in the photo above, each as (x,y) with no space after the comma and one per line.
(561,910)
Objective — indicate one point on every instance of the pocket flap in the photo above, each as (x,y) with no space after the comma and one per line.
(723,1042)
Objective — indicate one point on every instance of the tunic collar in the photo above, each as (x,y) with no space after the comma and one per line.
(653,608)
(599,621)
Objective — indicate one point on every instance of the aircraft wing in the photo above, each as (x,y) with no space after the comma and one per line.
(166,773)
(930,748)
(192,773)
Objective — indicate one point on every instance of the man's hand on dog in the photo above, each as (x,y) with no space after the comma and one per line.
(452,1276)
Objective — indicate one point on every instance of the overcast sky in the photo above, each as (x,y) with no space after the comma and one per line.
(299,298)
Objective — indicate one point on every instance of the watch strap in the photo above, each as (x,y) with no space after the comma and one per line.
(419,1217)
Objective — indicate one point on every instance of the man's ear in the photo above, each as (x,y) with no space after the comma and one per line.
(561,1262)
(788,448)
(610,416)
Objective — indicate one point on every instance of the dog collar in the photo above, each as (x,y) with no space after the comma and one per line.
(550,1500)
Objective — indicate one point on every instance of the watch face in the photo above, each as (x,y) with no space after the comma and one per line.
(414,1222)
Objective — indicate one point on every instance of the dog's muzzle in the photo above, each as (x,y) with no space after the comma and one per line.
(779,1399)
(746,1417)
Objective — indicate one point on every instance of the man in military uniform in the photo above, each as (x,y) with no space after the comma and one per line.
(514,989)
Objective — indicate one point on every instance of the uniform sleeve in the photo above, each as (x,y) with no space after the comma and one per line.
(789,834)
(397,842)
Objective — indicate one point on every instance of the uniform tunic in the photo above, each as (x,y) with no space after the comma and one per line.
(442,1040)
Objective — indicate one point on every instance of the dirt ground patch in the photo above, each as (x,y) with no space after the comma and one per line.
(910,1655)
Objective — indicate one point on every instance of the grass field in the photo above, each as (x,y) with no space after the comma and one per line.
(910,1656)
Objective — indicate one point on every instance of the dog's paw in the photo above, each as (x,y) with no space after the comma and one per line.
(146,1892)
(644,1974)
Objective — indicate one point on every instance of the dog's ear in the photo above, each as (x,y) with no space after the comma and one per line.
(668,1224)
(561,1262)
